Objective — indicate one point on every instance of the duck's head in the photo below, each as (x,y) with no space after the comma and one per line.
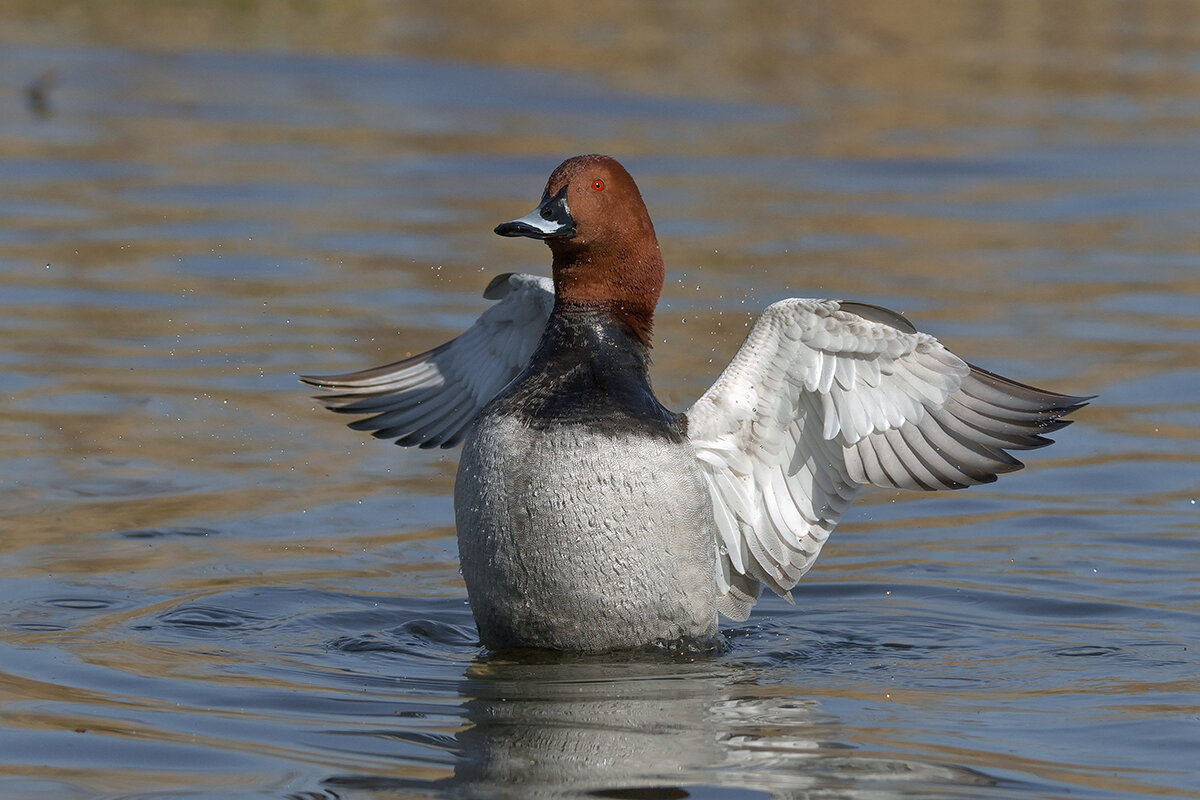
(606,255)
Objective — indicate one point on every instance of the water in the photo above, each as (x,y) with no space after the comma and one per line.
(213,589)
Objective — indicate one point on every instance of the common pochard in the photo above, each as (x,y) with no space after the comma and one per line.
(592,518)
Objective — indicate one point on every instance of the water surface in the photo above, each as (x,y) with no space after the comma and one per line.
(213,589)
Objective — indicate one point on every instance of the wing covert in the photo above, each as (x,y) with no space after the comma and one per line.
(824,397)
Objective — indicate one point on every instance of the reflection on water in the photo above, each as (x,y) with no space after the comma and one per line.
(210,590)
(642,727)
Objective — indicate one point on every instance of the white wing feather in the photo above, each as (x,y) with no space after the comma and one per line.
(825,396)
(431,399)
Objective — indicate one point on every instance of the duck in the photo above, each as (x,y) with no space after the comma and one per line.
(590,517)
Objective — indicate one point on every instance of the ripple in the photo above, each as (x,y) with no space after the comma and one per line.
(78,603)
(38,627)
(1087,651)
(668,793)
(209,618)
(417,637)
(162,533)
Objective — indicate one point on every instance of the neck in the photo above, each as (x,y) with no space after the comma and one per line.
(625,285)
(597,327)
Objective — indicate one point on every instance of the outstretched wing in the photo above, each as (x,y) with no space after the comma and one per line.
(825,396)
(429,400)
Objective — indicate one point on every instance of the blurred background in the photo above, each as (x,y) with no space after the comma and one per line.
(210,588)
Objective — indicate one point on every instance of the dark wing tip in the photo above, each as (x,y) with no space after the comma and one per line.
(498,287)
(362,379)
(1022,397)
(878,314)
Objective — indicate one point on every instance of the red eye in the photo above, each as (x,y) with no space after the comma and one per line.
(598,185)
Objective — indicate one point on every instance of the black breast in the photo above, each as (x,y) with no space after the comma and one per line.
(589,370)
